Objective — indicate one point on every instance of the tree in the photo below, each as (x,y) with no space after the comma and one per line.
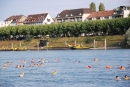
(93,6)
(128,8)
(129,15)
(101,7)
(127,39)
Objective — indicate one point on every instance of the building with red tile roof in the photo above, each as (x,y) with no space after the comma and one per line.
(121,11)
(37,19)
(15,20)
(101,15)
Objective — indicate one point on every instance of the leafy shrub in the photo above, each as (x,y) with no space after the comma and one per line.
(88,40)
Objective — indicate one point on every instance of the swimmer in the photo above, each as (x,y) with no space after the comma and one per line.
(96,59)
(54,59)
(59,59)
(32,61)
(10,63)
(39,60)
(121,67)
(54,72)
(108,67)
(24,61)
(41,64)
(22,74)
(88,67)
(17,66)
(4,66)
(126,77)
(117,78)
(76,61)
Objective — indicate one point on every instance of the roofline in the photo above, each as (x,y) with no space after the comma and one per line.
(38,13)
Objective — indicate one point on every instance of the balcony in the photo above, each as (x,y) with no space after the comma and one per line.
(71,20)
(59,21)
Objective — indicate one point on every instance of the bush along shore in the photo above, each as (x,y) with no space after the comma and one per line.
(115,41)
(63,35)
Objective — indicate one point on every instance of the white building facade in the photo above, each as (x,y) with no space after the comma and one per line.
(15,20)
(2,24)
(73,15)
(39,19)
(48,20)
(122,11)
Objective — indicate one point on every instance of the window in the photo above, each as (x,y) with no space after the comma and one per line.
(66,14)
(110,17)
(58,15)
(71,15)
(48,20)
(80,14)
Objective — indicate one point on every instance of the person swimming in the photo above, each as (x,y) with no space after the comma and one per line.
(96,59)
(108,67)
(88,67)
(22,74)
(126,77)
(54,72)
(32,61)
(121,67)
(117,78)
(17,66)
(4,66)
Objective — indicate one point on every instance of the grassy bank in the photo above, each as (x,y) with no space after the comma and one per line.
(112,41)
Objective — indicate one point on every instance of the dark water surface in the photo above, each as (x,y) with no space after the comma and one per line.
(69,73)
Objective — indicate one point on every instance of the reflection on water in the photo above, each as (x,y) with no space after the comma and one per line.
(69,72)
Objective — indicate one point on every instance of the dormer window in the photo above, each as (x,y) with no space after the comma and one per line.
(58,16)
(66,14)
(71,15)
(80,14)
(48,20)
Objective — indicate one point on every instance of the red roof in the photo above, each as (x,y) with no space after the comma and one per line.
(14,18)
(101,14)
(36,18)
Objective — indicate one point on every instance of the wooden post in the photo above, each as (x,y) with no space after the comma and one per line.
(47,44)
(12,45)
(75,42)
(94,44)
(20,44)
(38,46)
(105,44)
(65,44)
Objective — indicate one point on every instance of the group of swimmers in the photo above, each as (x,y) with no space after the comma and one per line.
(41,61)
(125,78)
(6,64)
(22,74)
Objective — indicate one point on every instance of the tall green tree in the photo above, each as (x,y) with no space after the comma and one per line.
(93,6)
(128,8)
(129,15)
(101,7)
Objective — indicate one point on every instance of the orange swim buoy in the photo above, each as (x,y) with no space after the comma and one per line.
(108,67)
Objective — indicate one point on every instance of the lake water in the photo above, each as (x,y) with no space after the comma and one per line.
(69,73)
